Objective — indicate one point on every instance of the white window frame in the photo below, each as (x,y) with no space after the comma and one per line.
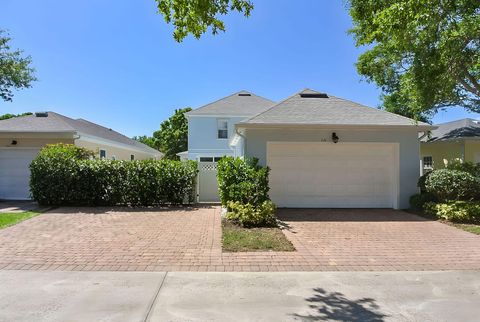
(221,122)
(100,153)
(427,166)
(210,159)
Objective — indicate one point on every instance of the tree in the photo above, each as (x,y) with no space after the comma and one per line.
(10,116)
(15,71)
(195,17)
(148,140)
(423,54)
(173,134)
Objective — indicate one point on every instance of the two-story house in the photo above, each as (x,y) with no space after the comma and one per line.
(322,150)
(212,135)
(211,127)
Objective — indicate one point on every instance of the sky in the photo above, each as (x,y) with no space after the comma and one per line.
(116,63)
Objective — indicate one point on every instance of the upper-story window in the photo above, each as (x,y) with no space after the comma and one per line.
(103,154)
(222,129)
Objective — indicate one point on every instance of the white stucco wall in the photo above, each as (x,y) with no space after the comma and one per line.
(202,136)
(409,149)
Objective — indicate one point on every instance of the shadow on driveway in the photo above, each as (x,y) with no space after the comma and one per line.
(346,215)
(335,306)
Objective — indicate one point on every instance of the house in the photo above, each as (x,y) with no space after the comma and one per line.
(456,140)
(21,138)
(323,151)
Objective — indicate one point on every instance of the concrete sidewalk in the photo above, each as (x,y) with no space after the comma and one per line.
(184,296)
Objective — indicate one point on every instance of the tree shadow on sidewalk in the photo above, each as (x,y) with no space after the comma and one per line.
(334,306)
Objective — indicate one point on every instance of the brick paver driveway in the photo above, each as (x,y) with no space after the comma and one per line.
(190,239)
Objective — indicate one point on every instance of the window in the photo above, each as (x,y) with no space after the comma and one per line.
(210,159)
(427,162)
(222,129)
(132,157)
(103,154)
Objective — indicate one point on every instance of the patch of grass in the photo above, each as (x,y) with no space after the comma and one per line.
(471,228)
(10,219)
(239,239)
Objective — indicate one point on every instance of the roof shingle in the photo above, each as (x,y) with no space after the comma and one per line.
(57,123)
(328,110)
(242,103)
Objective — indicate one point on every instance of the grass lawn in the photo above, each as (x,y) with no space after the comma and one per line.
(471,228)
(239,239)
(9,219)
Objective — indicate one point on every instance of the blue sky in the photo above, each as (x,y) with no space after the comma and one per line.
(116,64)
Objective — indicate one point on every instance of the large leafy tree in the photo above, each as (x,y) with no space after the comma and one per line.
(173,134)
(423,54)
(11,116)
(172,137)
(148,140)
(15,70)
(195,17)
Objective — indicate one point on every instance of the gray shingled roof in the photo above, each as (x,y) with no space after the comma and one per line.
(464,128)
(242,103)
(57,123)
(330,110)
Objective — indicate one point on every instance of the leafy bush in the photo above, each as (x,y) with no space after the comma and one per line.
(62,175)
(447,184)
(418,200)
(242,181)
(456,211)
(248,215)
(421,182)
(470,167)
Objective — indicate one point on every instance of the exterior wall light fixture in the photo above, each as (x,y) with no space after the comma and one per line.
(335,138)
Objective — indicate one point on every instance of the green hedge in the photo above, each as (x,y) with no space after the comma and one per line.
(456,211)
(242,181)
(67,175)
(448,184)
(418,200)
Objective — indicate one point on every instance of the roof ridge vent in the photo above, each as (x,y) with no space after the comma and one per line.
(313,95)
(41,114)
(244,94)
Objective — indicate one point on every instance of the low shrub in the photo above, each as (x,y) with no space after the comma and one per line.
(455,211)
(447,184)
(249,215)
(421,182)
(242,181)
(418,200)
(64,175)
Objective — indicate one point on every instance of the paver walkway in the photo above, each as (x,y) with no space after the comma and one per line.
(190,240)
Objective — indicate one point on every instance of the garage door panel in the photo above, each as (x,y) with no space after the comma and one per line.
(328,175)
(15,173)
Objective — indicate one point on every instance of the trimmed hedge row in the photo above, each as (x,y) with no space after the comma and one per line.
(62,175)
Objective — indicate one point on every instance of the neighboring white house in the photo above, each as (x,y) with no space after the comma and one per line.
(22,137)
(323,151)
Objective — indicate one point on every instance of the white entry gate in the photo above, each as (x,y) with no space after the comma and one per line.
(207,182)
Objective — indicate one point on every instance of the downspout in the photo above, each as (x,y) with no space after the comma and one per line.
(244,140)
(425,133)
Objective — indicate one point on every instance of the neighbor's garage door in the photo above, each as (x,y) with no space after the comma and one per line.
(15,173)
(331,175)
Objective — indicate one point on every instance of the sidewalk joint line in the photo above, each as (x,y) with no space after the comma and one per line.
(154,300)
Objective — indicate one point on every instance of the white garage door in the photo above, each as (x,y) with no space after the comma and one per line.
(15,173)
(328,175)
